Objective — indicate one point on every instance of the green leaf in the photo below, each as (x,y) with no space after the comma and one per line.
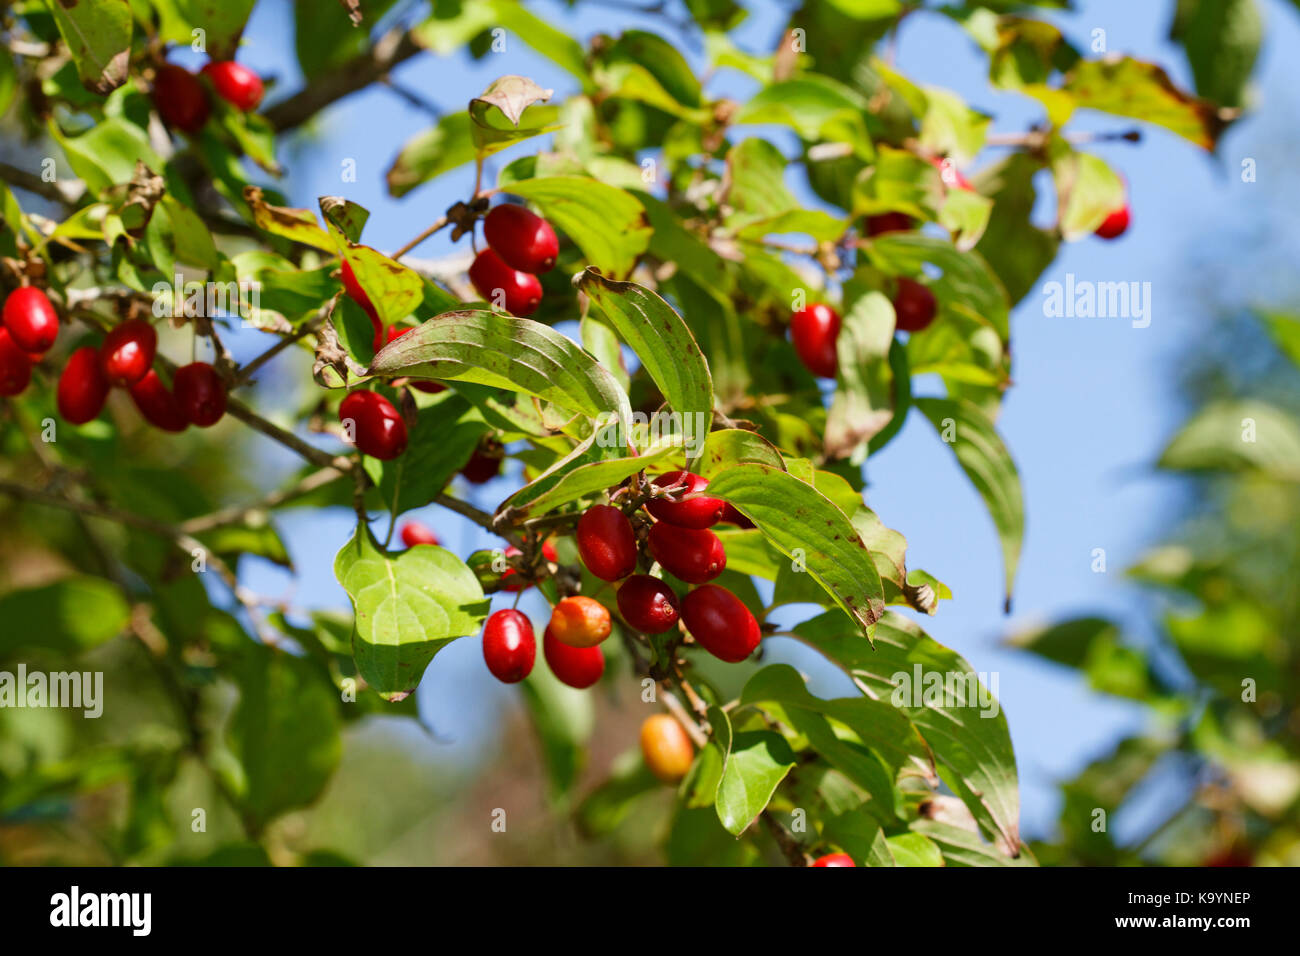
(987,463)
(662,60)
(394,290)
(1236,436)
(608,224)
(864,395)
(72,614)
(664,344)
(1221,39)
(325,41)
(284,732)
(1016,250)
(439,149)
(222,21)
(961,847)
(98,35)
(966,286)
(756,765)
(573,478)
(408,607)
(803,523)
(1088,190)
(8,81)
(556,45)
(728,447)
(447,430)
(496,114)
(943,697)
(604,809)
(506,352)
(700,788)
(106,154)
(300,225)
(1143,91)
(817,107)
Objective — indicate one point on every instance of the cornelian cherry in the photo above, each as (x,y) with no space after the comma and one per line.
(157,404)
(128,351)
(914,305)
(15,366)
(519,292)
(82,386)
(200,393)
(415,532)
(814,331)
(521,584)
(648,604)
(888,222)
(666,748)
(236,84)
(181,99)
(509,646)
(694,556)
(578,667)
(835,859)
(580,621)
(31,320)
(721,623)
(695,511)
(482,467)
(523,240)
(1115,224)
(606,543)
(377,428)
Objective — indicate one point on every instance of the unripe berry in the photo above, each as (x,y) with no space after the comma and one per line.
(200,393)
(15,366)
(578,667)
(377,428)
(914,305)
(523,240)
(814,331)
(157,404)
(1115,224)
(521,291)
(413,533)
(82,386)
(580,621)
(889,222)
(721,623)
(236,84)
(509,646)
(648,604)
(694,556)
(128,351)
(482,467)
(606,543)
(835,859)
(31,320)
(181,99)
(429,388)
(666,747)
(698,511)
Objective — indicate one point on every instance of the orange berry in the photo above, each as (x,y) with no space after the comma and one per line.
(667,749)
(580,622)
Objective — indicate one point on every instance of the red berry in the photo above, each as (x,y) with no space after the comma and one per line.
(15,366)
(352,289)
(696,511)
(721,623)
(606,543)
(181,99)
(128,351)
(889,222)
(201,393)
(377,428)
(814,331)
(509,646)
(158,405)
(429,388)
(914,305)
(521,291)
(578,667)
(1115,224)
(82,386)
(731,516)
(524,241)
(481,467)
(413,533)
(648,604)
(694,556)
(835,859)
(31,320)
(236,84)
(951,175)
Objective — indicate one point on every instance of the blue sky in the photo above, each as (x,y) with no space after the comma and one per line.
(1094,399)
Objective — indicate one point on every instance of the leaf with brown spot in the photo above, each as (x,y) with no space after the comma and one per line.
(300,225)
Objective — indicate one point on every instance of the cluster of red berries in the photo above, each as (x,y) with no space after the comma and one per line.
(679,539)
(182,99)
(125,360)
(521,246)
